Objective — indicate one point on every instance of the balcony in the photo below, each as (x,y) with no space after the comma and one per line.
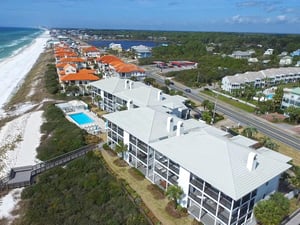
(161,171)
(210,206)
(174,168)
(196,182)
(196,197)
(212,193)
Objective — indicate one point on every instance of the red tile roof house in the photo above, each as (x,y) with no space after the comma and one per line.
(91,52)
(112,66)
(65,68)
(79,62)
(77,82)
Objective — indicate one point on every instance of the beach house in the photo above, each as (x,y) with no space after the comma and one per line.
(142,51)
(222,177)
(114,94)
(268,77)
(112,66)
(291,97)
(78,78)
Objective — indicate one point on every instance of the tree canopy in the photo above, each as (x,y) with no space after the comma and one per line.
(273,210)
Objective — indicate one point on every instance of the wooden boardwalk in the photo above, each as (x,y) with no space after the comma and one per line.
(24,176)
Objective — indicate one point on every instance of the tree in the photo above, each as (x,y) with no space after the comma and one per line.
(293,113)
(268,143)
(249,132)
(272,211)
(121,148)
(207,117)
(295,180)
(189,103)
(174,193)
(149,81)
(277,98)
(205,103)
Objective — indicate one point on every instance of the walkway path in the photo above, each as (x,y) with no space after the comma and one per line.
(24,176)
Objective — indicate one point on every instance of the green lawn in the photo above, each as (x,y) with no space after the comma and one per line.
(230,102)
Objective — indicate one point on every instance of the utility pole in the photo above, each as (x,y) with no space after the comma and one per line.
(214,113)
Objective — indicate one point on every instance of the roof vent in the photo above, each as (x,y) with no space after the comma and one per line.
(179,130)
(159,95)
(252,161)
(126,83)
(130,84)
(170,122)
(129,104)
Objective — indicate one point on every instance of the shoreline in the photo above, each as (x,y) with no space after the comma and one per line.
(21,135)
(18,66)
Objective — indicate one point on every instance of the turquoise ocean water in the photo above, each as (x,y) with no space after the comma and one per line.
(12,40)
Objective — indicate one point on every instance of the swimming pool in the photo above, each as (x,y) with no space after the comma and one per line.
(269,96)
(81,118)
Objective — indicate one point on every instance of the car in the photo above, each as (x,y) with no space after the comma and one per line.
(187,90)
(171,83)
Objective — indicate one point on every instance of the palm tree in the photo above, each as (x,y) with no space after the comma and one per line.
(174,193)
(268,143)
(249,132)
(205,103)
(121,148)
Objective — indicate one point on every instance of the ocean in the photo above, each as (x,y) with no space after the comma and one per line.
(13,40)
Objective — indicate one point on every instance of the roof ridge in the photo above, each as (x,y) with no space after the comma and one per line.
(231,169)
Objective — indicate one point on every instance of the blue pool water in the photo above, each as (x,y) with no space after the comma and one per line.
(270,96)
(81,118)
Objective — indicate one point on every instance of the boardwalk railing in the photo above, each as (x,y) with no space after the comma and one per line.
(9,183)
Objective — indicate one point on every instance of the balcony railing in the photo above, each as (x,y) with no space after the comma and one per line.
(174,168)
(162,172)
(195,197)
(211,193)
(197,183)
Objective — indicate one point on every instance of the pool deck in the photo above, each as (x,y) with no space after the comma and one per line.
(95,127)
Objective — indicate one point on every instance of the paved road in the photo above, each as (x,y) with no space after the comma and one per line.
(240,116)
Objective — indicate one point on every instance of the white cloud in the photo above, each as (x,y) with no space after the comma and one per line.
(238,19)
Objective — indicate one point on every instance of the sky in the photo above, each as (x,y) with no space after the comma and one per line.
(263,16)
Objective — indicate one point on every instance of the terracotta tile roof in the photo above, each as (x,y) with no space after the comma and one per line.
(62,65)
(68,64)
(83,74)
(74,60)
(64,54)
(128,68)
(109,59)
(90,49)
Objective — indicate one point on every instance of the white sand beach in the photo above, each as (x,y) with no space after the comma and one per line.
(20,137)
(14,69)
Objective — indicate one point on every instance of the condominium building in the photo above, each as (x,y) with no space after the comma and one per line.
(291,97)
(222,177)
(114,94)
(268,77)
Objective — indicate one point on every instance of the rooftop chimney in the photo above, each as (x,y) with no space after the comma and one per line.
(170,122)
(251,161)
(126,83)
(130,84)
(159,95)
(129,104)
(179,130)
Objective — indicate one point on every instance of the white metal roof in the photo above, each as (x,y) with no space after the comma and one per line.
(148,124)
(220,162)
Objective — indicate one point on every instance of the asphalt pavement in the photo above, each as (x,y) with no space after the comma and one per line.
(237,115)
